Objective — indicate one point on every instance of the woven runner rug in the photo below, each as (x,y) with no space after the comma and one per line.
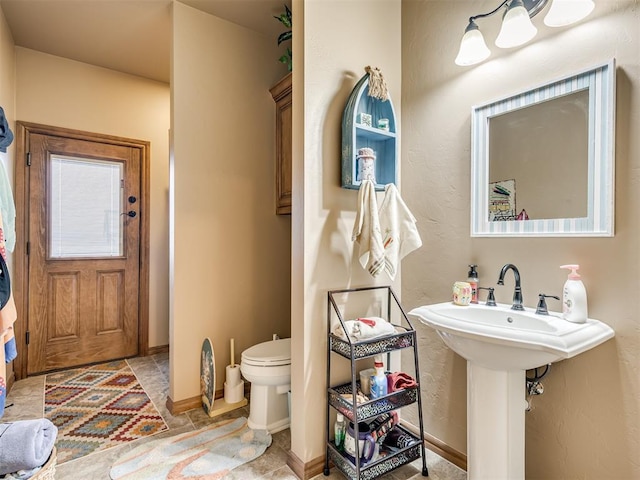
(206,454)
(98,407)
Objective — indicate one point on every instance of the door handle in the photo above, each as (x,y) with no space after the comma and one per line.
(130,214)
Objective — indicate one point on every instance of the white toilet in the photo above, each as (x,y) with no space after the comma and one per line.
(267,366)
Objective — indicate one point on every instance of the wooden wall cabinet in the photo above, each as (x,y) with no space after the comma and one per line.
(281,93)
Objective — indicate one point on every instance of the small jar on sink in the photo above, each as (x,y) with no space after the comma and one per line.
(462,293)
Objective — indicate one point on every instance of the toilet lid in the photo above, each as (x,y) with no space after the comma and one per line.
(273,353)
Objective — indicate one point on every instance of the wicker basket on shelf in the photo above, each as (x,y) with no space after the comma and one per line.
(48,470)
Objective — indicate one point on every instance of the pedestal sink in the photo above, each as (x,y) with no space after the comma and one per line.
(499,345)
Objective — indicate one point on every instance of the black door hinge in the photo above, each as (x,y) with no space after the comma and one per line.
(27,337)
(28,159)
(28,248)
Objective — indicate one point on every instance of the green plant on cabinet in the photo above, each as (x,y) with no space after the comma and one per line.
(285,19)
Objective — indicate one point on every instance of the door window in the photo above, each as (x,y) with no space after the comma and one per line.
(86,199)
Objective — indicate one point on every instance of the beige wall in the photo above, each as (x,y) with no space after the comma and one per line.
(587,422)
(230,253)
(64,93)
(324,213)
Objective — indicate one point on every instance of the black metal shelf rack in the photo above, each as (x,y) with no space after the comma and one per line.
(343,397)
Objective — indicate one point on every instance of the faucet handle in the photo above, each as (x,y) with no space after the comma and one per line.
(542,303)
(491,300)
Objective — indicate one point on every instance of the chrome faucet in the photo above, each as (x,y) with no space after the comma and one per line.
(517,292)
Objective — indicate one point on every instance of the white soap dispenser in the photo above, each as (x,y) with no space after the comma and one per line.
(574,297)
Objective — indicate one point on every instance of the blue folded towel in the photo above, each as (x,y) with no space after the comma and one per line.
(10,350)
(26,444)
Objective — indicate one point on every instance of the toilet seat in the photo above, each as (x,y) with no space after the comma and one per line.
(273,353)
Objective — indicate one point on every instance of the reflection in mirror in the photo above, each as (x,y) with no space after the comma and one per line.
(542,160)
(543,148)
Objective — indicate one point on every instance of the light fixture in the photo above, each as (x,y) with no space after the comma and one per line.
(566,12)
(472,47)
(517,28)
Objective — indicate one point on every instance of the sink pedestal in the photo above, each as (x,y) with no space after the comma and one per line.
(495,423)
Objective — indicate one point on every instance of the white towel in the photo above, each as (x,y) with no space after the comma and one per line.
(365,328)
(399,232)
(366,230)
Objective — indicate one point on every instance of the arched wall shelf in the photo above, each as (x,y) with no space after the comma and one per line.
(360,129)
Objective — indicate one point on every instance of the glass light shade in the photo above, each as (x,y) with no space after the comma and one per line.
(517,28)
(566,12)
(473,49)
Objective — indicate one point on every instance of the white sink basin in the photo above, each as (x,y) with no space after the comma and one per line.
(504,339)
(499,345)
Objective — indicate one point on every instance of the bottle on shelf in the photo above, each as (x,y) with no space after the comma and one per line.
(366,164)
(379,380)
(340,430)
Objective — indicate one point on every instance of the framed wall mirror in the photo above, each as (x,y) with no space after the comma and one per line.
(542,161)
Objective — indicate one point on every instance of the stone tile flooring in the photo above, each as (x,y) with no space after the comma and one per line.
(153,374)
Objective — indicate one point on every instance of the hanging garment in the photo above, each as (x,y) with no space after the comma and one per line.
(6,135)
(399,232)
(7,209)
(366,230)
(3,382)
(8,316)
(5,283)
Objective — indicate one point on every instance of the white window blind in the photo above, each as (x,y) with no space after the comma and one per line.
(86,199)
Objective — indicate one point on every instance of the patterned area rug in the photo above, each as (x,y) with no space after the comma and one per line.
(98,407)
(209,453)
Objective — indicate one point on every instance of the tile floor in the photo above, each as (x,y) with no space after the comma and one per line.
(153,373)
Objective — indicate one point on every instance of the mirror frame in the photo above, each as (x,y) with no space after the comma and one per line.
(599,222)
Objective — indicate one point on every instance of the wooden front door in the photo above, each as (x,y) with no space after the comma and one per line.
(82,215)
